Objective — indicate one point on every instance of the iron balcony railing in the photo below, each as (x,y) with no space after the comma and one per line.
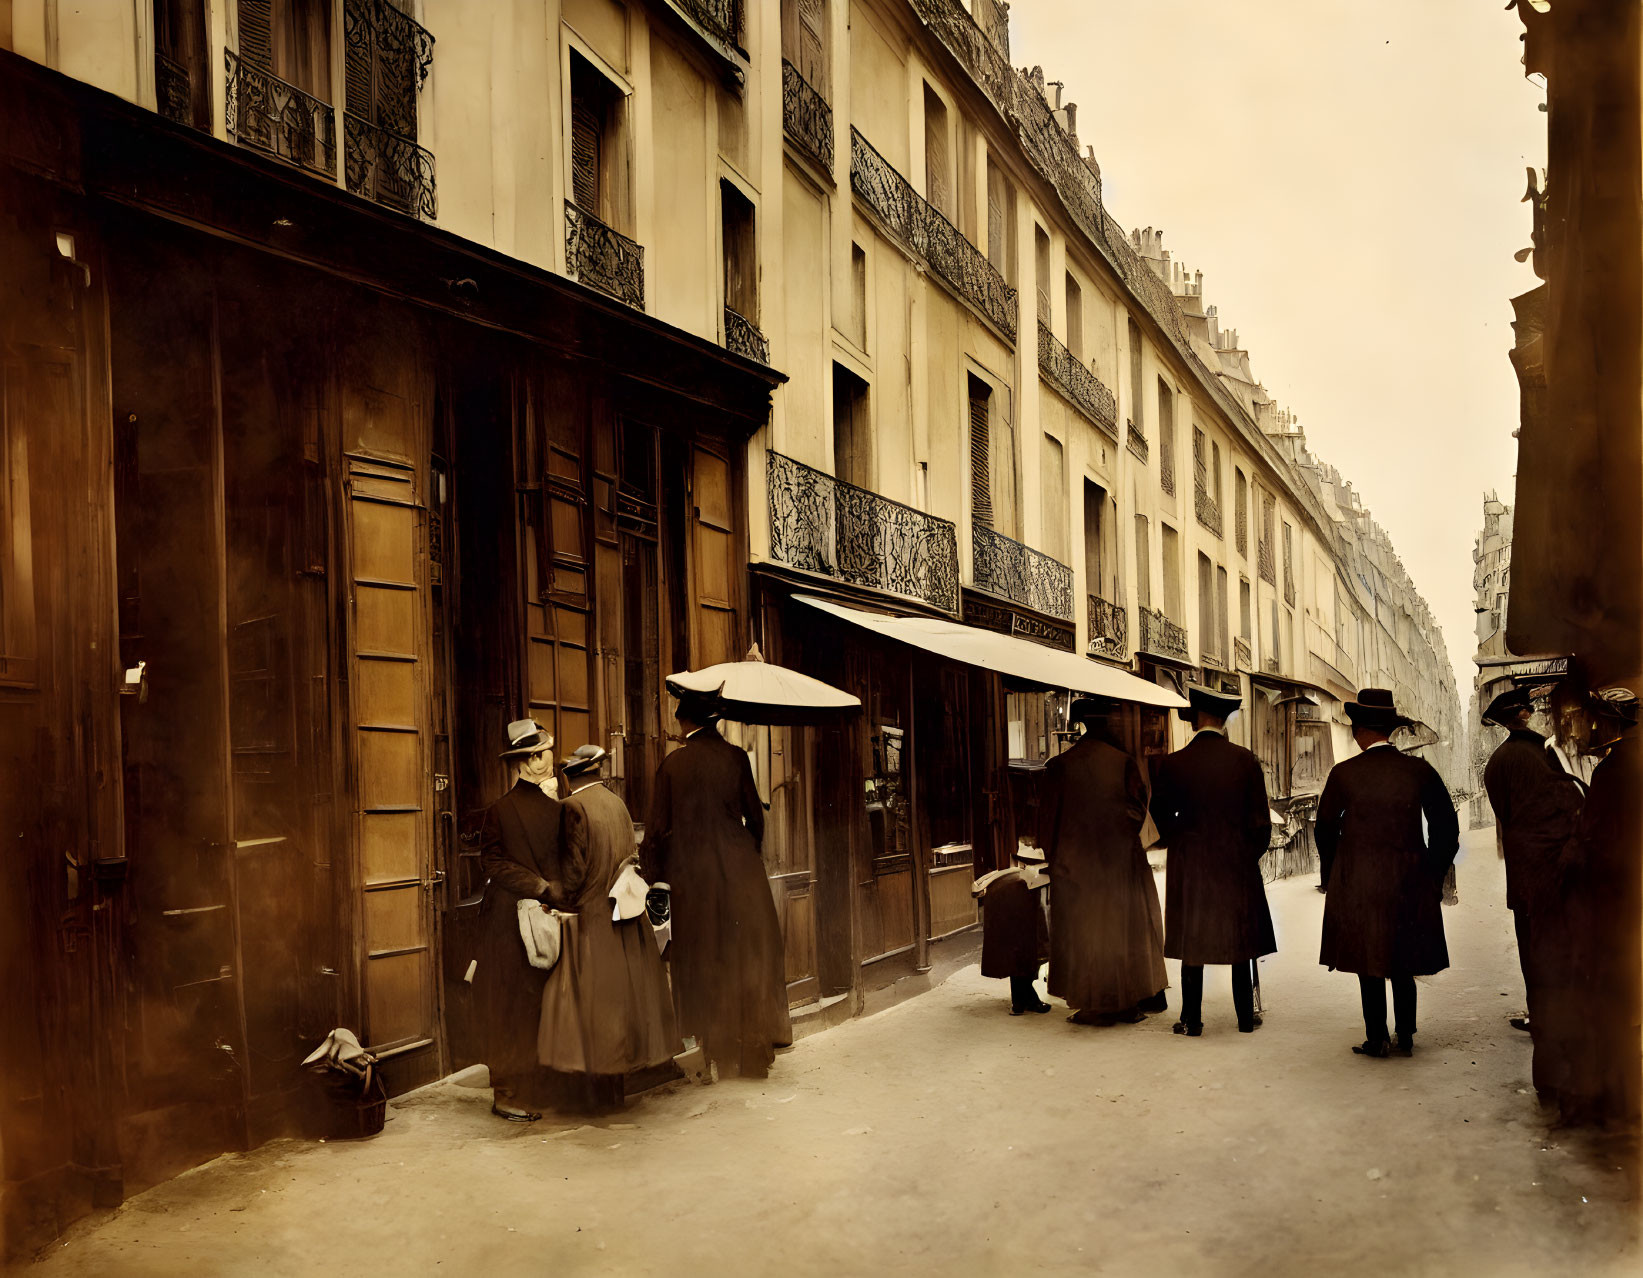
(1003,566)
(822,524)
(1109,629)
(742,337)
(1207,509)
(721,19)
(390,169)
(1136,441)
(923,230)
(807,117)
(1162,637)
(977,51)
(265,112)
(603,258)
(1241,653)
(173,89)
(1083,389)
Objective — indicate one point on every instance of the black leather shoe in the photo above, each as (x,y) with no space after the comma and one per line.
(1376,1047)
(1158,1002)
(1191,1031)
(1040,1007)
(1519,1023)
(514,1115)
(1249,1026)
(1406,1044)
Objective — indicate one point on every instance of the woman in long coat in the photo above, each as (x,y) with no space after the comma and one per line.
(703,839)
(605,1008)
(1106,933)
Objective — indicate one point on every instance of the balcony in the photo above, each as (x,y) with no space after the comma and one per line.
(742,337)
(1135,440)
(1109,630)
(807,117)
(977,51)
(721,19)
(603,258)
(393,170)
(264,112)
(1082,388)
(1241,654)
(824,525)
(173,90)
(1207,509)
(924,232)
(1004,567)
(1161,637)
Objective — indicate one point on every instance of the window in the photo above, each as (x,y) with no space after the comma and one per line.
(598,172)
(804,40)
(938,171)
(53,394)
(1265,553)
(1166,437)
(858,296)
(292,40)
(1223,647)
(1100,567)
(992,462)
(1206,608)
(852,430)
(1200,461)
(1289,564)
(1245,620)
(1173,608)
(1001,224)
(741,261)
(1075,318)
(1272,639)
(1240,496)
(1138,405)
(1053,481)
(1041,266)
(1215,471)
(181,42)
(1143,564)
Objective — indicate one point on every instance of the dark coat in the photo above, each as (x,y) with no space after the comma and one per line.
(519,853)
(1106,931)
(703,839)
(1536,804)
(1210,806)
(606,1007)
(1015,936)
(1382,915)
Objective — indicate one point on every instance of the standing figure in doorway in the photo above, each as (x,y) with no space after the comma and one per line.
(606,1012)
(1210,807)
(1383,873)
(519,854)
(704,839)
(1106,932)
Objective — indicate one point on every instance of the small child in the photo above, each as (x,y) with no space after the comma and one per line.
(1015,935)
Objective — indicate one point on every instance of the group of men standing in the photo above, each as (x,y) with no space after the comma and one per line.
(569,1035)
(1386,832)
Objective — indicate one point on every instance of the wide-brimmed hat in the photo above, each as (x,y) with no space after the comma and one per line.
(1209,701)
(1091,707)
(1506,707)
(1374,708)
(526,736)
(583,759)
(698,707)
(1618,703)
(1028,853)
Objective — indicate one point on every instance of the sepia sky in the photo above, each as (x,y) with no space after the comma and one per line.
(1347,176)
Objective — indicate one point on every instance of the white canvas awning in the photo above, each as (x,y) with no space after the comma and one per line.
(1017,658)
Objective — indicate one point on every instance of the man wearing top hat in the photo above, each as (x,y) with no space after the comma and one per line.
(1210,806)
(1382,872)
(519,853)
(1106,935)
(1536,805)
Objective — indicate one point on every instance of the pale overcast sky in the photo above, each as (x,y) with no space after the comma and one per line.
(1347,176)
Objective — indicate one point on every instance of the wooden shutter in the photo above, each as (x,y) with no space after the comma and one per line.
(981,488)
(257,33)
(585,140)
(813,44)
(717,566)
(358,56)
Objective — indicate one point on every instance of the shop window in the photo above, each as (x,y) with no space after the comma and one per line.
(1143,564)
(946,747)
(938,169)
(1314,751)
(1001,222)
(17,619)
(1075,318)
(1053,477)
(741,261)
(852,430)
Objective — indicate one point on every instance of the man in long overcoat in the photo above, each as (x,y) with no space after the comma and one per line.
(606,1011)
(1383,874)
(704,839)
(1106,932)
(1536,805)
(519,853)
(1210,806)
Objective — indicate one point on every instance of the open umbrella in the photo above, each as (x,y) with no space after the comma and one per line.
(754,691)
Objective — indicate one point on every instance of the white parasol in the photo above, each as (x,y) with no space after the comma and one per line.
(754,691)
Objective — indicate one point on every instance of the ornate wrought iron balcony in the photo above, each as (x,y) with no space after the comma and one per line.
(1207,509)
(390,169)
(1264,563)
(173,89)
(1003,566)
(1241,653)
(924,231)
(1136,441)
(603,258)
(975,50)
(721,19)
(742,337)
(807,117)
(822,524)
(265,112)
(1083,389)
(1162,637)
(1109,629)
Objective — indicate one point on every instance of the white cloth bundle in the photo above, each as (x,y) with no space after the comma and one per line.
(541,931)
(628,894)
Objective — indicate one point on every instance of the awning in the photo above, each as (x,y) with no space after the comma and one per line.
(1004,654)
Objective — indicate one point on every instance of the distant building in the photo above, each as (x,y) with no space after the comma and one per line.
(1491,579)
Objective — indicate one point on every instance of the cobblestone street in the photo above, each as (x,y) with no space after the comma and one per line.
(944,1136)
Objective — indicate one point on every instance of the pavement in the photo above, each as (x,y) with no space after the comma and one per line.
(945,1136)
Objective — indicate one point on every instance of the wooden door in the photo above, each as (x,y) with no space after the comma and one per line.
(717,560)
(385,442)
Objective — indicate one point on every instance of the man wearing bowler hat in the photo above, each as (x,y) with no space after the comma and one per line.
(519,853)
(1210,807)
(1383,873)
